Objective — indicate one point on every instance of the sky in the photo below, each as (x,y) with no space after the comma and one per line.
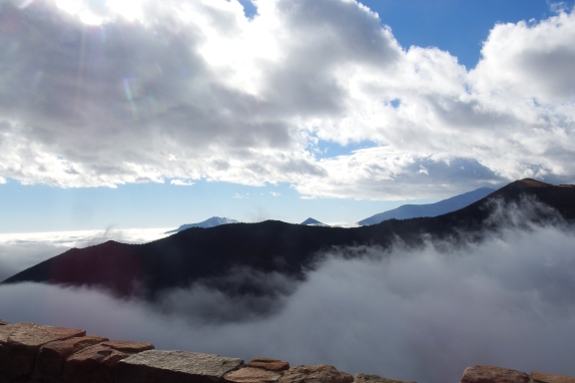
(147,114)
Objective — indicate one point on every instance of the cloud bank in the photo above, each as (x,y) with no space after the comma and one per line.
(95,94)
(420,315)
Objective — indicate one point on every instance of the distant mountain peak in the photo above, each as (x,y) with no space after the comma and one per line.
(193,256)
(429,210)
(529,183)
(312,222)
(210,222)
(533,183)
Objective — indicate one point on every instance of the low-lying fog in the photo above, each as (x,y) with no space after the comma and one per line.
(420,315)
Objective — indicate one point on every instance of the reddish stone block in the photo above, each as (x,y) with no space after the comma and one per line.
(321,373)
(95,364)
(52,356)
(540,377)
(128,347)
(269,364)
(252,375)
(21,341)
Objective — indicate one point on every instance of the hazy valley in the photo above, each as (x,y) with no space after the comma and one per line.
(417,299)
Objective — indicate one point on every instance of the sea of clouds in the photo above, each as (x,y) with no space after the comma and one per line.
(422,315)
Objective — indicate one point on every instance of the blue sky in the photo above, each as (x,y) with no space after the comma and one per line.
(456,26)
(155,115)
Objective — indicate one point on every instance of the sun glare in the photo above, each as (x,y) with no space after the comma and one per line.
(73,7)
(89,18)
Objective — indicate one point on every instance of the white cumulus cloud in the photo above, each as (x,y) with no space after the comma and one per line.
(94,94)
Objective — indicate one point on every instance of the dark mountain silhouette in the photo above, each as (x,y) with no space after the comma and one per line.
(429,210)
(210,222)
(209,255)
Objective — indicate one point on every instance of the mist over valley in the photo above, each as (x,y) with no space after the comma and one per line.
(482,285)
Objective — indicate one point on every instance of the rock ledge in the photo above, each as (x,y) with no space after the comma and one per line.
(31,353)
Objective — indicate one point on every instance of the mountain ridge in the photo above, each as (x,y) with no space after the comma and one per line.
(210,222)
(208,255)
(429,210)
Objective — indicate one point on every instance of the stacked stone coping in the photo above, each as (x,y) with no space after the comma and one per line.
(32,353)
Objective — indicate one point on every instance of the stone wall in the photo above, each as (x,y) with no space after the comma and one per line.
(32,353)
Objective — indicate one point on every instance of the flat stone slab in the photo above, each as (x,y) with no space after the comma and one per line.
(252,375)
(490,374)
(30,334)
(20,341)
(174,367)
(365,378)
(321,373)
(95,364)
(128,346)
(52,356)
(269,364)
(2,323)
(541,377)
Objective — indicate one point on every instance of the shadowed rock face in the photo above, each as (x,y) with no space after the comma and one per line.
(94,364)
(321,373)
(127,346)
(209,255)
(258,370)
(269,364)
(31,352)
(490,374)
(69,356)
(97,364)
(19,343)
(93,359)
(52,356)
(252,375)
